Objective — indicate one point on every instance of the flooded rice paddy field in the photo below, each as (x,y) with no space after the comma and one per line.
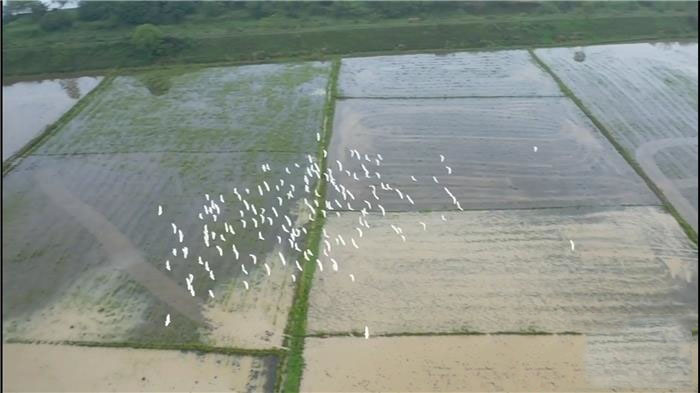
(66,277)
(473,74)
(511,270)
(266,108)
(489,145)
(647,97)
(629,286)
(29,107)
(93,369)
(86,259)
(486,364)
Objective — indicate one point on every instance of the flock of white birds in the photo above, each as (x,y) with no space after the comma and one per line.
(256,218)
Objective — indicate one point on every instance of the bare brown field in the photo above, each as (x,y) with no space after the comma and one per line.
(477,364)
(59,368)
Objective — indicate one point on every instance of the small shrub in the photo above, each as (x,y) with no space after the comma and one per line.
(55,20)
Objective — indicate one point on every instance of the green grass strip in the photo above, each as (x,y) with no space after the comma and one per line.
(292,367)
(187,347)
(53,128)
(692,235)
(456,333)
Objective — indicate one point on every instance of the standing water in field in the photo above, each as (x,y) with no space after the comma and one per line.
(28,107)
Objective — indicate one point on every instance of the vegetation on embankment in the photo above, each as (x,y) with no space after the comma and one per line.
(247,35)
(292,366)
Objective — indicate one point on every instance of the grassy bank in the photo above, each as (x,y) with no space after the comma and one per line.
(293,363)
(692,235)
(187,347)
(34,56)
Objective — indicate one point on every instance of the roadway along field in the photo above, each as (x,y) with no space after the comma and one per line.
(491,152)
(474,74)
(86,256)
(646,95)
(84,369)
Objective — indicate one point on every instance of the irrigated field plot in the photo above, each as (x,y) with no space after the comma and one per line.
(85,258)
(485,364)
(67,277)
(265,108)
(476,74)
(58,368)
(540,152)
(631,269)
(647,97)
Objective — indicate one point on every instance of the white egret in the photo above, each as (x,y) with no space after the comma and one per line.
(534,148)
(449,170)
(174,252)
(199,260)
(366,333)
(174,227)
(573,246)
(423,224)
(409,199)
(160,210)
(442,217)
(244,270)
(352,277)
(382,209)
(245,283)
(254,258)
(352,240)
(179,232)
(211,294)
(207,196)
(320,265)
(206,266)
(359,231)
(221,252)
(211,275)
(167,320)
(294,278)
(267,268)
(442,158)
(221,198)
(435,180)
(200,216)
(167,264)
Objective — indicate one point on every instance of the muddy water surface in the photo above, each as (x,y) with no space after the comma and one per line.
(28,107)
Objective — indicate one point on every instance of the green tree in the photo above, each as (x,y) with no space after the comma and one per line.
(38,8)
(147,40)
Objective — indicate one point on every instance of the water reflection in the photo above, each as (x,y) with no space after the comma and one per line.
(28,107)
